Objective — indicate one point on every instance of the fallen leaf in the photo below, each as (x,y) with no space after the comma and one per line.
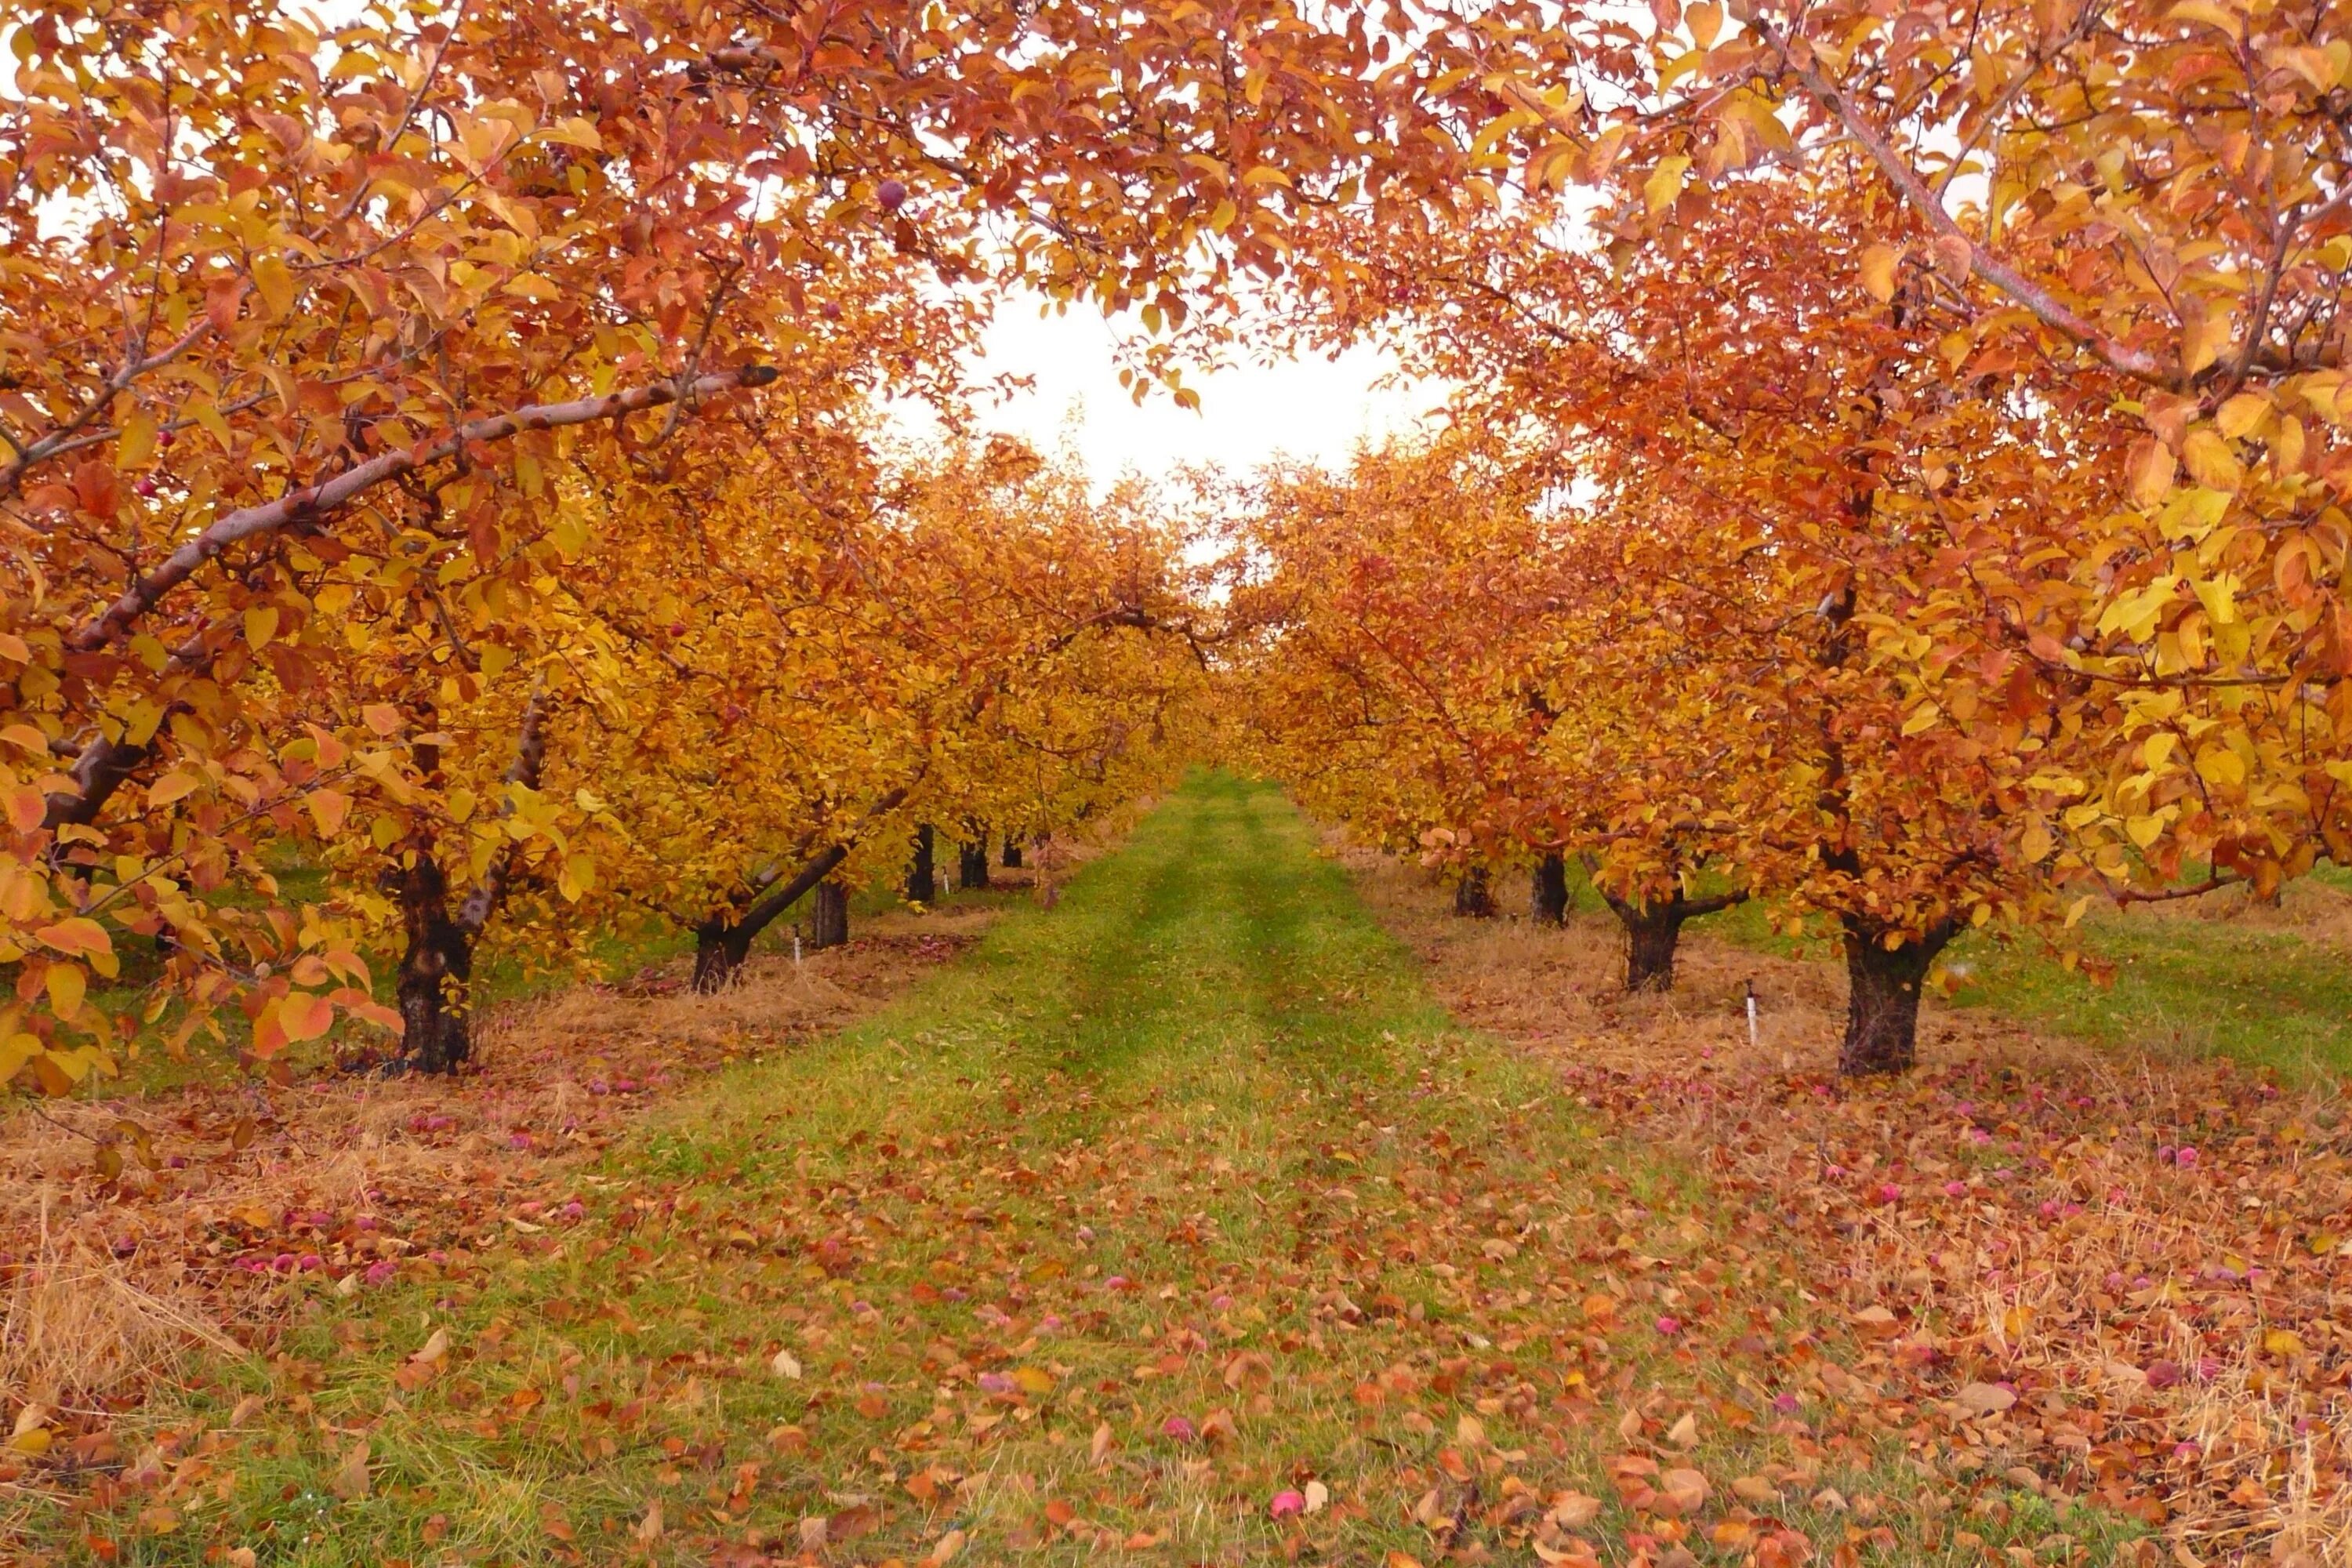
(350,1481)
(1985,1398)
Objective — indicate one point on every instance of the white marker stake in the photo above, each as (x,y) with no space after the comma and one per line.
(1753,1041)
(796,964)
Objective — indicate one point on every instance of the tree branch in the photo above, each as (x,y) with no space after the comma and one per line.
(318,500)
(2045,306)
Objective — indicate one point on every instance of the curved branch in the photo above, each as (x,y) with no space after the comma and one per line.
(314,501)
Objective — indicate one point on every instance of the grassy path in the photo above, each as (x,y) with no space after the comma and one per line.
(1176,1221)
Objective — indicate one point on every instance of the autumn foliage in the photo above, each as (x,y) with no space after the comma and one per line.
(1895,473)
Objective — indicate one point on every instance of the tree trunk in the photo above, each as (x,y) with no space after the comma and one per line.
(1473,897)
(922,881)
(1012,853)
(435,1033)
(1653,934)
(971,865)
(1881,1013)
(720,950)
(829,915)
(1548,901)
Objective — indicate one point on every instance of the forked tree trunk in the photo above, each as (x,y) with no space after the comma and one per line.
(971,865)
(1883,983)
(923,877)
(719,952)
(1653,934)
(729,941)
(829,915)
(1012,853)
(1473,898)
(1548,902)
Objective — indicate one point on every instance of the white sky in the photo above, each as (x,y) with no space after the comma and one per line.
(1315,409)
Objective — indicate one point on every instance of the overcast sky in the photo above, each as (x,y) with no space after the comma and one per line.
(1315,409)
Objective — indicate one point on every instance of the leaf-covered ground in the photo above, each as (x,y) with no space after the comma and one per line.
(1180,1224)
(2048,1270)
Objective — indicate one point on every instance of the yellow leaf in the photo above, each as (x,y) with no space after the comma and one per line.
(1878,264)
(273,281)
(2221,766)
(2210,461)
(1032,1380)
(2242,415)
(260,625)
(328,807)
(2313,65)
(2220,597)
(1705,20)
(137,442)
(1665,183)
(1923,718)
(2203,335)
(171,786)
(2211,14)
(67,986)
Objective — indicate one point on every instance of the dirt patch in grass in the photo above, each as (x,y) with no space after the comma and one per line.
(235,1200)
(2044,1272)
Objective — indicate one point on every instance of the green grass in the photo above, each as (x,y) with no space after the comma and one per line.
(1196,1146)
(2178,987)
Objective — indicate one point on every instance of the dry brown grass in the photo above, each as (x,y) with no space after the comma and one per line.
(2013,1213)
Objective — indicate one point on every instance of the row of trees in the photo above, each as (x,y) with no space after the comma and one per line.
(442,451)
(1903,474)
(1901,477)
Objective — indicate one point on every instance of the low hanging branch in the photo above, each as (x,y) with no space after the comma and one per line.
(314,501)
(105,765)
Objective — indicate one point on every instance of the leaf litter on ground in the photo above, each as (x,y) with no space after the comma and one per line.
(1181,1226)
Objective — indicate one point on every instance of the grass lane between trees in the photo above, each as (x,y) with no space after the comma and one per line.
(1179,1219)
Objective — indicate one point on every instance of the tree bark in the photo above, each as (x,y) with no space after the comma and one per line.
(1012,853)
(829,916)
(1884,983)
(719,952)
(972,865)
(1474,899)
(1653,934)
(775,896)
(436,1023)
(922,876)
(436,1032)
(1548,902)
